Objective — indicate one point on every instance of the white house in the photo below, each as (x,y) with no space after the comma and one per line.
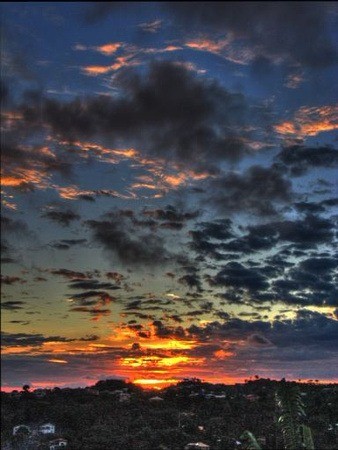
(40,393)
(47,428)
(124,397)
(197,446)
(156,399)
(21,428)
(56,444)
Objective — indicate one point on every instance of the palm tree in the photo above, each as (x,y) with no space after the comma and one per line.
(249,441)
(296,435)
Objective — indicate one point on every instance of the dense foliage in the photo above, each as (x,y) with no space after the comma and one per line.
(192,411)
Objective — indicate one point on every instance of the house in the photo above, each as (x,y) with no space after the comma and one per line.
(194,394)
(124,397)
(156,399)
(197,446)
(40,393)
(24,429)
(15,394)
(47,428)
(92,391)
(57,444)
(212,395)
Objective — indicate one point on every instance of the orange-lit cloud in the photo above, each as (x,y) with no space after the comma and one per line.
(208,45)
(131,56)
(32,169)
(310,121)
(225,48)
(294,80)
(222,354)
(109,49)
(96,70)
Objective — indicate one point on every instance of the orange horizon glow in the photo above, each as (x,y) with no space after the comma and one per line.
(158,384)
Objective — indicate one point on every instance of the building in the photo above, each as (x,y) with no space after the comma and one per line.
(24,429)
(156,399)
(47,428)
(212,395)
(197,446)
(124,397)
(56,444)
(40,393)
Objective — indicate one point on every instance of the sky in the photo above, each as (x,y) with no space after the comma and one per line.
(169,192)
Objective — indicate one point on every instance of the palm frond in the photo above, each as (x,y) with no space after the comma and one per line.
(249,441)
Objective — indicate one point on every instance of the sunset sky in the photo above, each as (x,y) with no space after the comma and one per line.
(169,192)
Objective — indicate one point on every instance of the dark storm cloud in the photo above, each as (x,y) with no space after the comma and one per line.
(297,31)
(71,274)
(66,244)
(305,233)
(307,329)
(92,285)
(192,280)
(168,112)
(170,214)
(23,339)
(134,305)
(235,275)
(94,311)
(313,281)
(4,92)
(164,331)
(12,305)
(258,340)
(204,308)
(330,202)
(9,280)
(257,190)
(233,329)
(322,266)
(13,226)
(93,298)
(169,218)
(64,218)
(203,238)
(174,226)
(90,338)
(60,246)
(252,242)
(309,207)
(123,243)
(116,276)
(72,242)
(299,159)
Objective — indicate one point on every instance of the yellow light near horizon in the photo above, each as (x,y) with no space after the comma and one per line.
(172,344)
(153,383)
(156,361)
(58,361)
